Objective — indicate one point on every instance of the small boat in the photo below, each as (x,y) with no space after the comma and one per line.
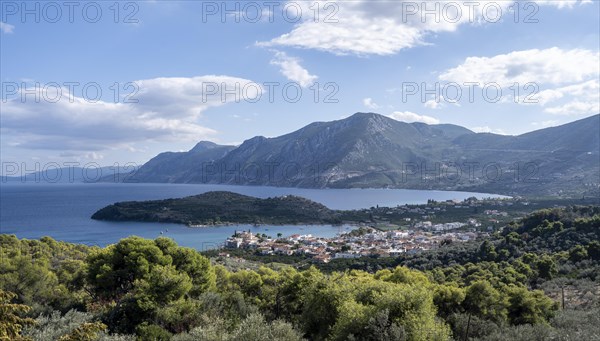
(161,232)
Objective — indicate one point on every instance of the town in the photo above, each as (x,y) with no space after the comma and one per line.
(391,231)
(361,242)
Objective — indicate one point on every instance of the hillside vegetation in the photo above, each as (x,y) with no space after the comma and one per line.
(155,290)
(221,207)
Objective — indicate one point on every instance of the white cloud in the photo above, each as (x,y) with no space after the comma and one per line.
(183,97)
(546,96)
(353,35)
(94,156)
(577,99)
(553,65)
(369,103)
(575,107)
(82,156)
(6,28)
(290,67)
(409,117)
(566,78)
(563,3)
(433,104)
(168,109)
(355,27)
(545,124)
(587,91)
(487,129)
(365,27)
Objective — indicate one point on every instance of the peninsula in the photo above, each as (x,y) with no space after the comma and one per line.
(219,208)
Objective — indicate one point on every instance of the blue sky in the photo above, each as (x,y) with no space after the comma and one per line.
(178,59)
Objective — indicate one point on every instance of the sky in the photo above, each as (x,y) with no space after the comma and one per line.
(109,82)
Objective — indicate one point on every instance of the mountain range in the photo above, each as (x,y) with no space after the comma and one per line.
(371,150)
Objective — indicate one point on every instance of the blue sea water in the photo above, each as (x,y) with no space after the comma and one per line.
(62,211)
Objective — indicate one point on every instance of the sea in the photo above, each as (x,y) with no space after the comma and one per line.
(63,210)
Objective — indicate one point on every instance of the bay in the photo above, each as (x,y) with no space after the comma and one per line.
(62,211)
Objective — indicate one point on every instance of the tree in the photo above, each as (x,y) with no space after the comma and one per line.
(341,306)
(85,332)
(152,332)
(182,315)
(381,328)
(448,299)
(529,307)
(192,263)
(578,253)
(254,327)
(487,251)
(248,282)
(546,267)
(513,238)
(11,322)
(117,269)
(402,274)
(137,277)
(593,249)
(482,300)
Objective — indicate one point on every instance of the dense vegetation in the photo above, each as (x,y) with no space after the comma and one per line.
(155,290)
(448,211)
(226,207)
(221,207)
(569,236)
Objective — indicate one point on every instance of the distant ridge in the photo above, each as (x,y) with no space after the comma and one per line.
(173,167)
(371,150)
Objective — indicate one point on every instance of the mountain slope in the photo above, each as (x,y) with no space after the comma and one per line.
(579,136)
(545,161)
(371,150)
(323,153)
(173,167)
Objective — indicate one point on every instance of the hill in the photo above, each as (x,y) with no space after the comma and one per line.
(513,286)
(220,208)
